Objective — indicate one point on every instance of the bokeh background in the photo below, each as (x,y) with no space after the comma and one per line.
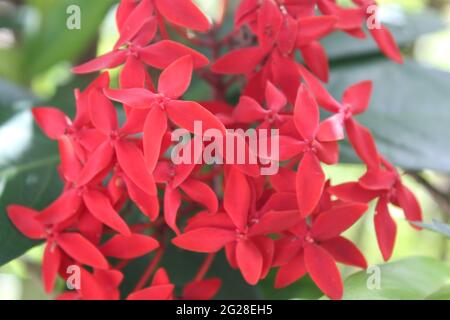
(410,115)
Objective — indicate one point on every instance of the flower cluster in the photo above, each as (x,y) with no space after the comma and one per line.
(291,221)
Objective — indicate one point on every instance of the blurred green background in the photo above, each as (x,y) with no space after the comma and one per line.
(410,115)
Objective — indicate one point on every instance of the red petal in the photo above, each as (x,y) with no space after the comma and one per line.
(175,79)
(52,121)
(237,197)
(132,162)
(97,162)
(290,272)
(130,247)
(195,240)
(202,289)
(363,143)
(61,209)
(50,265)
(70,163)
(183,13)
(249,260)
(135,22)
(172,202)
(133,74)
(149,205)
(100,207)
(266,247)
(323,270)
(358,96)
(155,128)
(408,202)
(306,114)
(185,113)
(386,42)
(162,53)
(316,59)
(240,61)
(248,110)
(269,24)
(385,228)
(275,222)
(353,192)
(106,61)
(314,28)
(80,249)
(275,99)
(331,223)
(310,181)
(25,220)
(323,97)
(136,97)
(332,129)
(345,251)
(201,193)
(161,292)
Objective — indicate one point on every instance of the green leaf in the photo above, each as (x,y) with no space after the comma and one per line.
(435,226)
(409,279)
(409,110)
(441,294)
(406,28)
(54,42)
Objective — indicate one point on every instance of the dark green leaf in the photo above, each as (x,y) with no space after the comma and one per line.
(54,42)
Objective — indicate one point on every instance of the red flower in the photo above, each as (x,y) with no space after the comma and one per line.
(59,242)
(316,143)
(243,233)
(394,192)
(164,105)
(315,249)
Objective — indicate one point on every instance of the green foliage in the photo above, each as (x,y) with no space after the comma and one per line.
(409,279)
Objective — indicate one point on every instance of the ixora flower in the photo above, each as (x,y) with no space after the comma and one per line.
(115,164)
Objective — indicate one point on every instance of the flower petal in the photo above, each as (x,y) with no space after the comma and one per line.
(237,198)
(25,220)
(358,96)
(194,240)
(100,207)
(162,53)
(129,247)
(109,60)
(385,228)
(290,272)
(345,251)
(249,260)
(310,181)
(80,249)
(323,270)
(52,121)
(331,223)
(132,162)
(306,114)
(183,13)
(175,79)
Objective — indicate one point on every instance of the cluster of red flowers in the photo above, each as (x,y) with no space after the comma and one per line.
(291,221)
